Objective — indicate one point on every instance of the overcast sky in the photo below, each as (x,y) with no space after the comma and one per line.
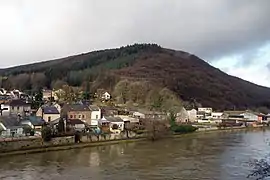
(232,35)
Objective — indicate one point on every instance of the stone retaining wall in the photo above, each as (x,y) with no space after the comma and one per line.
(33,143)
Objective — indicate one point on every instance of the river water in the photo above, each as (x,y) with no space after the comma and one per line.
(216,155)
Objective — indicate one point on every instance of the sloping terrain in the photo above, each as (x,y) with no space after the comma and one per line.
(185,74)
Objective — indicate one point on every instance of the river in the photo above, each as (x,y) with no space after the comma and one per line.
(215,155)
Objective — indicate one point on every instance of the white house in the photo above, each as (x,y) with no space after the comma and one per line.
(206,110)
(95,115)
(217,115)
(106,96)
(95,112)
(116,124)
(48,113)
(182,116)
(249,116)
(192,115)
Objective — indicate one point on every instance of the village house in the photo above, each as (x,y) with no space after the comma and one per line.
(77,124)
(182,116)
(95,115)
(217,115)
(34,122)
(200,115)
(19,106)
(103,95)
(48,113)
(116,124)
(10,127)
(207,112)
(106,96)
(77,111)
(192,115)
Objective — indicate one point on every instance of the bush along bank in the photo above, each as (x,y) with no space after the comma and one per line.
(180,129)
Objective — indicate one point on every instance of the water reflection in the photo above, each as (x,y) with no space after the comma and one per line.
(219,156)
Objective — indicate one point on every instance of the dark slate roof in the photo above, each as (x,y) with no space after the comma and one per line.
(50,110)
(18,102)
(114,119)
(78,107)
(9,121)
(36,121)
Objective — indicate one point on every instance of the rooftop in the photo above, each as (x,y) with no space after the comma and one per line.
(50,110)
(78,107)
(19,102)
(9,121)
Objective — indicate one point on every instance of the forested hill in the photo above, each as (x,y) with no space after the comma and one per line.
(185,74)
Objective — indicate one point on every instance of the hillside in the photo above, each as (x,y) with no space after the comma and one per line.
(185,74)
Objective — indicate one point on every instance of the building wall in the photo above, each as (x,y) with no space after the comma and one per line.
(96,115)
(50,117)
(206,110)
(250,116)
(19,109)
(192,115)
(82,115)
(17,132)
(30,143)
(46,116)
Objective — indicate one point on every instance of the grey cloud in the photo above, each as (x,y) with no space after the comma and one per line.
(42,30)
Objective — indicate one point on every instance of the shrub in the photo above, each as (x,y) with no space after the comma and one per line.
(46,133)
(183,129)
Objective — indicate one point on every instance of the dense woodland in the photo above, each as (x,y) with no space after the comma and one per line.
(138,67)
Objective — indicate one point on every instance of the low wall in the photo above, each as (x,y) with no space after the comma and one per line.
(32,143)
(35,143)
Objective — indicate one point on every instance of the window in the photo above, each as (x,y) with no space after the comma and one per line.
(49,119)
(83,116)
(71,116)
(74,116)
(79,116)
(96,116)
(18,108)
(12,107)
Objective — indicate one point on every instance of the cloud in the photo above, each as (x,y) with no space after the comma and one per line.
(252,67)
(41,30)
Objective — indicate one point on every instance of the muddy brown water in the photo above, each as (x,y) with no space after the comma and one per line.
(216,155)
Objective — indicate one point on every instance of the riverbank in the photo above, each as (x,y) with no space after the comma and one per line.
(116,141)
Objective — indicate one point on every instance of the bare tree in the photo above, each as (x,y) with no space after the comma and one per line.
(156,129)
(38,80)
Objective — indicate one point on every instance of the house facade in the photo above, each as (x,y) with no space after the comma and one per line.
(10,127)
(116,124)
(78,111)
(182,116)
(192,115)
(19,106)
(106,96)
(48,113)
